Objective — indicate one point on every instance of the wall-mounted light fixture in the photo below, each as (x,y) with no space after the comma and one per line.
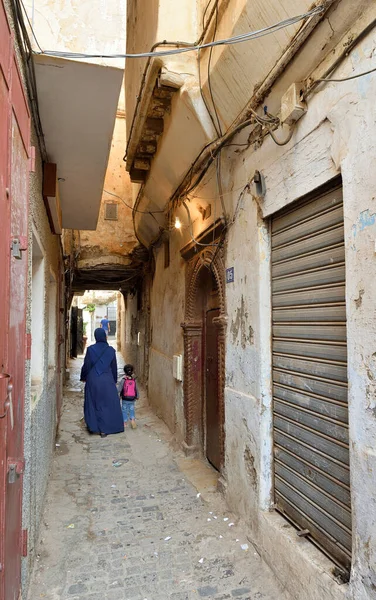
(259,184)
(177,223)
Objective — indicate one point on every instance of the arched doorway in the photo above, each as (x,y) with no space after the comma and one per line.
(204,356)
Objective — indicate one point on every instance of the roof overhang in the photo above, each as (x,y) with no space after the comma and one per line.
(77,104)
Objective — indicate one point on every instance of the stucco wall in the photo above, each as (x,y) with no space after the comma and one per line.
(336,136)
(131,324)
(167,314)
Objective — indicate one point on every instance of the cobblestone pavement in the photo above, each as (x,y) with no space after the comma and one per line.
(123,521)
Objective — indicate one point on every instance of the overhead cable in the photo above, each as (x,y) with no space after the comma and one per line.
(363,74)
(237,39)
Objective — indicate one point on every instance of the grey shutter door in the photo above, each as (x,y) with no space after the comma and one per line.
(311,452)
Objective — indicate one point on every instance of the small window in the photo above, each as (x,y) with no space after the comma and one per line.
(111,211)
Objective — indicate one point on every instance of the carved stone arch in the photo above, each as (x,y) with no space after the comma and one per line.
(211,259)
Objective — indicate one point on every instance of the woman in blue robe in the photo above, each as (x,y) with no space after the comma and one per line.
(99,372)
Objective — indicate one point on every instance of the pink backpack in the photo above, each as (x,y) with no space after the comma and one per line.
(129,388)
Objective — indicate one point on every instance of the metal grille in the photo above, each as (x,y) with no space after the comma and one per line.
(311,465)
(111,211)
(111,313)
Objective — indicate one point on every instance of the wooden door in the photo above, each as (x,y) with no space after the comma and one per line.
(14,180)
(213,448)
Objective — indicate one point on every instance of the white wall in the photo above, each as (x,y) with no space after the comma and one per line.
(37,312)
(52,323)
(74,26)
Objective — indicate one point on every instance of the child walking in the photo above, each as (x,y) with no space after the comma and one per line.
(128,394)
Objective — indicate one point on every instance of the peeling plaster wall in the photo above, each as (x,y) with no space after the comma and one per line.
(337,135)
(134,336)
(167,314)
(121,323)
(237,72)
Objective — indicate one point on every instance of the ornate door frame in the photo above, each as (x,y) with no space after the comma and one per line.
(212,259)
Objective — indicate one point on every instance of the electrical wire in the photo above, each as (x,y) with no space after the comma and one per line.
(215,10)
(203,95)
(344,54)
(31,27)
(219,128)
(144,212)
(26,52)
(250,35)
(219,184)
(136,210)
(204,25)
(347,78)
(282,142)
(221,142)
(191,228)
(215,197)
(245,189)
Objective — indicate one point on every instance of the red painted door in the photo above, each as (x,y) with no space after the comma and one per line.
(213,449)
(14,178)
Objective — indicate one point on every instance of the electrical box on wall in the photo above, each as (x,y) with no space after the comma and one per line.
(292,104)
(177,367)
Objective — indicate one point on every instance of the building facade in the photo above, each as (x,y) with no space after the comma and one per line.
(33,306)
(47,182)
(254,192)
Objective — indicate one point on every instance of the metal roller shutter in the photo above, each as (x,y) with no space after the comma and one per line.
(311,464)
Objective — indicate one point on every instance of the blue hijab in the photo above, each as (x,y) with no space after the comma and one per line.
(103,353)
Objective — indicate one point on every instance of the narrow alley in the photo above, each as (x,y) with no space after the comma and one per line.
(129,517)
(190,184)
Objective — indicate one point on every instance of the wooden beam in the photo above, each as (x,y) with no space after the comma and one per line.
(137,175)
(146,148)
(163,92)
(153,126)
(147,137)
(157,112)
(141,163)
(49,179)
(164,103)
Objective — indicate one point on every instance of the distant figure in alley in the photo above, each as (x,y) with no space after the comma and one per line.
(105,324)
(102,409)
